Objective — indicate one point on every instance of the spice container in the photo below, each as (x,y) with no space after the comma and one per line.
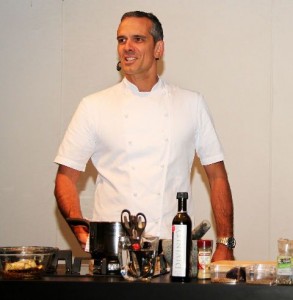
(284,262)
(205,248)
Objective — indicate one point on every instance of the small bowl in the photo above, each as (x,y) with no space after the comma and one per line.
(261,274)
(227,273)
(25,262)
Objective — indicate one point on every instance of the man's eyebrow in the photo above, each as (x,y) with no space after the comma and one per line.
(139,36)
(133,36)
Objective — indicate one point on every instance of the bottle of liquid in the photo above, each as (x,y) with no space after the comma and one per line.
(284,263)
(181,242)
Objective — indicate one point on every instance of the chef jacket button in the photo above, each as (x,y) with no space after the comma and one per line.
(134,194)
(162,166)
(166,140)
(130,143)
(166,115)
(125,116)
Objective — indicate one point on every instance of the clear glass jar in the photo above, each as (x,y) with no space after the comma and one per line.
(284,262)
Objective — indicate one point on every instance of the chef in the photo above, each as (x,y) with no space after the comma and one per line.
(142,136)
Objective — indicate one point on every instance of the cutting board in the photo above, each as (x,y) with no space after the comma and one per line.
(242,263)
(226,265)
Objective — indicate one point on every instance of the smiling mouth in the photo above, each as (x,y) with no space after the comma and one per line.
(129,59)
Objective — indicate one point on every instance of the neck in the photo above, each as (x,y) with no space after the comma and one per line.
(143,84)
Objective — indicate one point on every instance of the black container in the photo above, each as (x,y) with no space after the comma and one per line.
(103,242)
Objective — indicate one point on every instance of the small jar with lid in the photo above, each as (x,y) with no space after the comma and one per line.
(204,257)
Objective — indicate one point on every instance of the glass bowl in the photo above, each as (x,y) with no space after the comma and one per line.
(25,262)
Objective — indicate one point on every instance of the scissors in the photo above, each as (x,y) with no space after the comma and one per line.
(134,225)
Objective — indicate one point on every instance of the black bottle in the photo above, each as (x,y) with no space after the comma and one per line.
(181,242)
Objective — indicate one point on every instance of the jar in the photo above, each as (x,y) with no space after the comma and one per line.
(284,262)
(204,257)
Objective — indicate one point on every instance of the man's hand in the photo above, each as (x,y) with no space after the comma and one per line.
(81,233)
(222,253)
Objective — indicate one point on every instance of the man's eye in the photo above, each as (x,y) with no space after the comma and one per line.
(139,39)
(121,40)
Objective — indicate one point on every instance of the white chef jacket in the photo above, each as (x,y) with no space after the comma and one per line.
(143,146)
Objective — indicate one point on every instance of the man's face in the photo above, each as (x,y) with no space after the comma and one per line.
(136,48)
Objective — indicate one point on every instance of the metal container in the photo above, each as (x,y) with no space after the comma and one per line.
(103,242)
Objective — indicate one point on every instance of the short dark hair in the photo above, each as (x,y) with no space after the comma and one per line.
(156,31)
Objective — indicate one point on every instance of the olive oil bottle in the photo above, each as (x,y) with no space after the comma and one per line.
(181,241)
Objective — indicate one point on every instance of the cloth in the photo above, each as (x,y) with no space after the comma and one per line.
(143,145)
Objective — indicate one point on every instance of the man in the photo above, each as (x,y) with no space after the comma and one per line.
(142,135)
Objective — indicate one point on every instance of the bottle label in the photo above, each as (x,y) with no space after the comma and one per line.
(179,233)
(284,265)
(204,261)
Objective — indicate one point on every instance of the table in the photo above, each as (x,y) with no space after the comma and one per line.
(111,287)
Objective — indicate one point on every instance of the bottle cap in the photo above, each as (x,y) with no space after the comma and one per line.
(182,195)
(204,243)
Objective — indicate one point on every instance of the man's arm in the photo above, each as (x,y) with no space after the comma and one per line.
(68,201)
(222,205)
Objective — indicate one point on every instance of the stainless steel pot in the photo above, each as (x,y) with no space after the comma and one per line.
(103,236)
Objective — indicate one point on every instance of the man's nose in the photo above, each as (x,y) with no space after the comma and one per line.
(128,45)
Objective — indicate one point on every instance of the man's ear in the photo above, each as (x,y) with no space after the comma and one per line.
(159,49)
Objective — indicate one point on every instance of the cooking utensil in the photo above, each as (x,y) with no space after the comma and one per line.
(25,262)
(139,264)
(134,225)
(103,236)
(200,230)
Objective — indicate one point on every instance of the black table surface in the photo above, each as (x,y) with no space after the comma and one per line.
(115,287)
